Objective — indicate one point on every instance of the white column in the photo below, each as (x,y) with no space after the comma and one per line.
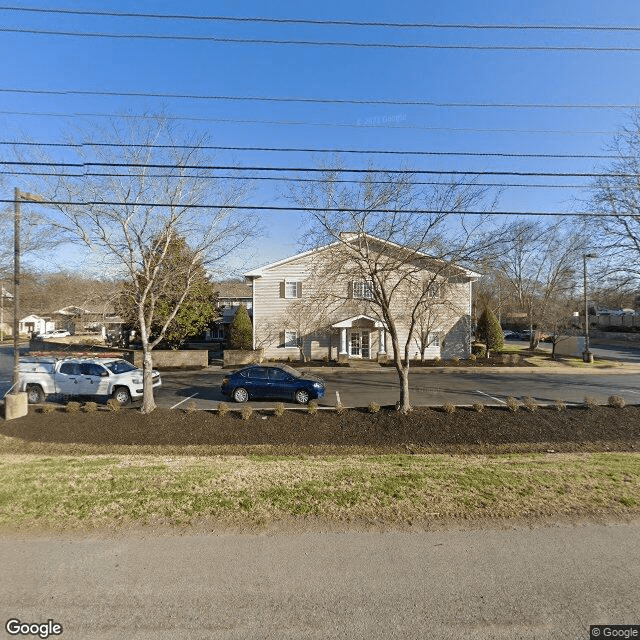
(381,333)
(343,341)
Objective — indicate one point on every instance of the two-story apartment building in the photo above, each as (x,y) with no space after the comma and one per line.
(317,304)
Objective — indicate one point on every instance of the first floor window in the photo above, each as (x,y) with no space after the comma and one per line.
(217,333)
(290,338)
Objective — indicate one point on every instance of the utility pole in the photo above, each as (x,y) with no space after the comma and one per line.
(16,287)
(587,356)
(18,197)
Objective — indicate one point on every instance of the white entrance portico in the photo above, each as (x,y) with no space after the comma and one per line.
(356,340)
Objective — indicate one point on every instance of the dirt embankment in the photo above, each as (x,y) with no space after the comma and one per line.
(424,430)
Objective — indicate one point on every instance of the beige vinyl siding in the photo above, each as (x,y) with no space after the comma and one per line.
(270,310)
(270,307)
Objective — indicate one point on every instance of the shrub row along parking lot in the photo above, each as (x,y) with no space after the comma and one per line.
(463,430)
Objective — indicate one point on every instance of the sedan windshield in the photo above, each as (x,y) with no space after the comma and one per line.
(119,366)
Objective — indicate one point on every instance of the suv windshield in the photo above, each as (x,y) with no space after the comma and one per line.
(119,366)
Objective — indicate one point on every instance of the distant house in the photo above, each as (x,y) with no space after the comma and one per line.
(78,320)
(33,324)
(294,314)
(230,296)
(6,327)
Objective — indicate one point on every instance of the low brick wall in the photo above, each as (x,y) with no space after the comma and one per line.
(235,357)
(174,359)
(162,359)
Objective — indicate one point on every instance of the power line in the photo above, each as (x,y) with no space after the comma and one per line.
(280,179)
(321,43)
(326,170)
(349,23)
(95,203)
(373,122)
(300,99)
(471,154)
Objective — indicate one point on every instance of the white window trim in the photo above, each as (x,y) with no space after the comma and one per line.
(290,282)
(292,341)
(362,289)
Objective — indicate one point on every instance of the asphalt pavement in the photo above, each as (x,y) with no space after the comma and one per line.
(535,584)
(428,386)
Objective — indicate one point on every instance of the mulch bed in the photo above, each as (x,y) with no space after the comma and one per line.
(423,430)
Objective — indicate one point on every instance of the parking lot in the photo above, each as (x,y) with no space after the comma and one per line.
(428,387)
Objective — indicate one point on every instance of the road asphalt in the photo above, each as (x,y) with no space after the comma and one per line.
(546,583)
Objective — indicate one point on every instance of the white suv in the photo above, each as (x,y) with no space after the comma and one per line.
(43,376)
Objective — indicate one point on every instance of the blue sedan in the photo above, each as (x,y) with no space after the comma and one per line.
(272,381)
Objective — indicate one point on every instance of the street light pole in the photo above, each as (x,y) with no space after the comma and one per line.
(19,196)
(587,356)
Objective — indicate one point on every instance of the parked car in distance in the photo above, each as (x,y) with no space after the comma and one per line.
(513,335)
(272,381)
(41,376)
(57,333)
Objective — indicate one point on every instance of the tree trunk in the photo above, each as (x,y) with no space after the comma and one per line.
(403,375)
(148,401)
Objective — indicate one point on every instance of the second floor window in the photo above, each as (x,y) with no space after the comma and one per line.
(292,289)
(434,290)
(362,289)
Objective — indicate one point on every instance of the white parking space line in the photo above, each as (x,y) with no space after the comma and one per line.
(492,397)
(181,401)
(630,391)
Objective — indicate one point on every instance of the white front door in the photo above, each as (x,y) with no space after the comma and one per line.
(359,344)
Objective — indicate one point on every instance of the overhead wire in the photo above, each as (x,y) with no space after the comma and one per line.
(336,150)
(373,122)
(315,100)
(322,43)
(108,203)
(325,170)
(325,22)
(278,179)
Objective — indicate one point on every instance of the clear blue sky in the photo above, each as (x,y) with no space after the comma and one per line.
(31,61)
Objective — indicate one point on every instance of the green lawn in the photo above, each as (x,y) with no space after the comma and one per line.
(118,490)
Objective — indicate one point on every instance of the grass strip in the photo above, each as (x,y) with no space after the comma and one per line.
(95,491)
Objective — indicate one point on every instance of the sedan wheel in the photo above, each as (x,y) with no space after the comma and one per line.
(302,396)
(240,395)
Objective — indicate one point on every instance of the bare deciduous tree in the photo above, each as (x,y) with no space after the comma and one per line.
(306,318)
(437,311)
(615,229)
(400,242)
(539,263)
(130,213)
